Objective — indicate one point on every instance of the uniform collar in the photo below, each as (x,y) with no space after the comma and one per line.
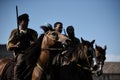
(23,31)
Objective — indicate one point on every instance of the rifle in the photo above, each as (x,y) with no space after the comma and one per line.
(17,20)
(65,32)
(21,36)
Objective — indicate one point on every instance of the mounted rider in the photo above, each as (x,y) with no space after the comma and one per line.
(19,40)
(74,41)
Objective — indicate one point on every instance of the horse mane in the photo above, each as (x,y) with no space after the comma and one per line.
(76,51)
(31,54)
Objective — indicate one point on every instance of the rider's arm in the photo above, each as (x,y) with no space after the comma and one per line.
(13,41)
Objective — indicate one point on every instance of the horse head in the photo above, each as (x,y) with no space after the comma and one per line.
(86,54)
(54,37)
(101,57)
(53,41)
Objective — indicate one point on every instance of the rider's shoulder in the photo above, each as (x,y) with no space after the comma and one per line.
(32,30)
(14,31)
(77,39)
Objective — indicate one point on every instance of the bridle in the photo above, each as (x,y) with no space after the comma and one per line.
(52,49)
(89,67)
(101,61)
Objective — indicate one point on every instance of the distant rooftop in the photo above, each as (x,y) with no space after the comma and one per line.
(111,67)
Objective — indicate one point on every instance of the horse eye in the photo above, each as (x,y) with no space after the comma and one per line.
(54,34)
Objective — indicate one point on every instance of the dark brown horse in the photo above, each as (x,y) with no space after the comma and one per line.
(38,57)
(78,65)
(101,57)
(85,62)
(3,62)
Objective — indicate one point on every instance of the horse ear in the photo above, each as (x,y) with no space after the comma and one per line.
(93,41)
(96,45)
(82,39)
(105,47)
(44,28)
(50,28)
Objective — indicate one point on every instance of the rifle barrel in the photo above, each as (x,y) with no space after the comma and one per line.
(17,20)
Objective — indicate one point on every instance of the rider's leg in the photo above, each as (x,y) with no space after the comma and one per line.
(17,68)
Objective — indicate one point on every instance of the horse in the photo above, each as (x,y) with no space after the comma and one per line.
(44,60)
(4,61)
(78,65)
(101,57)
(38,57)
(85,61)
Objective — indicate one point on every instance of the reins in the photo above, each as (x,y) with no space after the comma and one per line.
(52,49)
(83,67)
(40,67)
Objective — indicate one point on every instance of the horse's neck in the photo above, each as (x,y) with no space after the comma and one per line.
(75,53)
(44,55)
(82,54)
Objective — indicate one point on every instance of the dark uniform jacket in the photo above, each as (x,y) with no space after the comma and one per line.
(25,37)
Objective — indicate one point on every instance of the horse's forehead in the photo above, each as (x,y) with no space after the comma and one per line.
(97,53)
(53,33)
(87,43)
(100,51)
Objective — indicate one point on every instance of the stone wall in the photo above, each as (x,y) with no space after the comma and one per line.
(107,77)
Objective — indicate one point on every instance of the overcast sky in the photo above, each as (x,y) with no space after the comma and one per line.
(92,19)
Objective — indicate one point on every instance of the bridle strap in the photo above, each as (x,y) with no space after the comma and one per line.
(87,59)
(40,67)
(83,67)
(49,36)
(52,49)
(94,55)
(47,49)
